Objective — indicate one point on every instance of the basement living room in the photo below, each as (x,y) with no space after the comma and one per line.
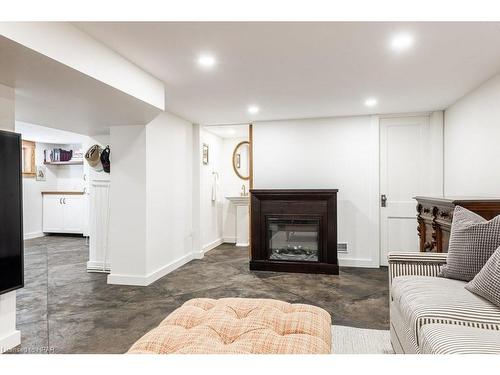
(249,188)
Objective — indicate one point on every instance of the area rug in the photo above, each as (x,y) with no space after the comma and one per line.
(349,340)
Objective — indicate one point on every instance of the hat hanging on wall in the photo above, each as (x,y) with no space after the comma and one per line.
(106,165)
(93,157)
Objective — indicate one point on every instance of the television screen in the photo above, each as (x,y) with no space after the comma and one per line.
(11,213)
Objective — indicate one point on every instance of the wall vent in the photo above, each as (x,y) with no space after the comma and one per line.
(342,248)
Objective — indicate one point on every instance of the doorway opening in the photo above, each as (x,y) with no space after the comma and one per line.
(225,180)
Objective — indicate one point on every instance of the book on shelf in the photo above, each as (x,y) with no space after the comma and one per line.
(58,155)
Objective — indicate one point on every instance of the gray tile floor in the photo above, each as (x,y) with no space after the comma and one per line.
(64,309)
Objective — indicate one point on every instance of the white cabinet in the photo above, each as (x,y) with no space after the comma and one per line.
(63,213)
(52,213)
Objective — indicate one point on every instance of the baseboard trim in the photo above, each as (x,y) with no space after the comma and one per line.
(150,278)
(212,245)
(229,240)
(10,341)
(30,236)
(197,254)
(95,266)
(355,262)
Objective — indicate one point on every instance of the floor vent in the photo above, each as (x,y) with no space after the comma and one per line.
(342,248)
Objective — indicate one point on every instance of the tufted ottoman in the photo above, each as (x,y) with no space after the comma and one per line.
(240,326)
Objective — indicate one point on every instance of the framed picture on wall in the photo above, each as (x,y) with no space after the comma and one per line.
(40,173)
(205,154)
(28,159)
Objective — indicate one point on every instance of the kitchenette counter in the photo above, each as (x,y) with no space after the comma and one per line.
(62,192)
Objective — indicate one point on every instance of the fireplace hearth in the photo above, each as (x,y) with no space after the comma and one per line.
(294,231)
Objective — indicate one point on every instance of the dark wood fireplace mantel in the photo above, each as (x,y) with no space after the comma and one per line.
(294,230)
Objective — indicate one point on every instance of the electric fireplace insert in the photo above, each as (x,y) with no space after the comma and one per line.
(294,231)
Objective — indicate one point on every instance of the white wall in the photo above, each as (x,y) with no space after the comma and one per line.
(7,108)
(196,193)
(9,336)
(211,211)
(327,153)
(471,143)
(169,162)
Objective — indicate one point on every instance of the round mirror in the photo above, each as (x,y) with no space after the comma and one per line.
(241,160)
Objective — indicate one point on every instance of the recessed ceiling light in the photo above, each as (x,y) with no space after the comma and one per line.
(206,61)
(253,109)
(371,102)
(231,131)
(401,42)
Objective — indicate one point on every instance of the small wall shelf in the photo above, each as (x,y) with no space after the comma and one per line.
(71,162)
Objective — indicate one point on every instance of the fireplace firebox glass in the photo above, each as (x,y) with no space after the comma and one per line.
(293,239)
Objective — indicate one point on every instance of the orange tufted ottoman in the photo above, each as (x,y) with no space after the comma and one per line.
(240,326)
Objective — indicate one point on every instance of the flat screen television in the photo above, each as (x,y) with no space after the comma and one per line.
(11,213)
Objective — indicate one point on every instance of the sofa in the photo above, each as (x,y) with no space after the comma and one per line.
(435,315)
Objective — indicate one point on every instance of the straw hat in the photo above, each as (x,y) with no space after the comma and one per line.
(93,157)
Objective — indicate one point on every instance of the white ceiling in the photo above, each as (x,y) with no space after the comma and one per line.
(51,94)
(42,134)
(301,70)
(229,131)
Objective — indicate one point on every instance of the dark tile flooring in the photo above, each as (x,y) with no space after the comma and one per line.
(64,309)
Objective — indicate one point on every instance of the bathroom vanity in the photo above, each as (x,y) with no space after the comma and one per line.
(242,225)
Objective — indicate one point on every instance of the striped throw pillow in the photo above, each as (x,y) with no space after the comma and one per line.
(472,241)
(487,282)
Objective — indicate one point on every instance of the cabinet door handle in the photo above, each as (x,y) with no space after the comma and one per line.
(60,200)
(64,200)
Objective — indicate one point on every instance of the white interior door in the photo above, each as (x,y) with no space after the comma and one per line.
(405,149)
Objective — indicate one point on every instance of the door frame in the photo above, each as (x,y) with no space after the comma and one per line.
(250,186)
(436,170)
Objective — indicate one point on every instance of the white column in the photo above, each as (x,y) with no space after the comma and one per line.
(127,226)
(9,336)
(150,225)
(97,185)
(99,257)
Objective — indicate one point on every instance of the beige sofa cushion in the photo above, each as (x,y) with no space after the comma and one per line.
(238,326)
(456,339)
(425,300)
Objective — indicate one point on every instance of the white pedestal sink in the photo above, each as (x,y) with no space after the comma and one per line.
(241,204)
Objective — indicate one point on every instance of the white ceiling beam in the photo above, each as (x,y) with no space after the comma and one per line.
(65,43)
